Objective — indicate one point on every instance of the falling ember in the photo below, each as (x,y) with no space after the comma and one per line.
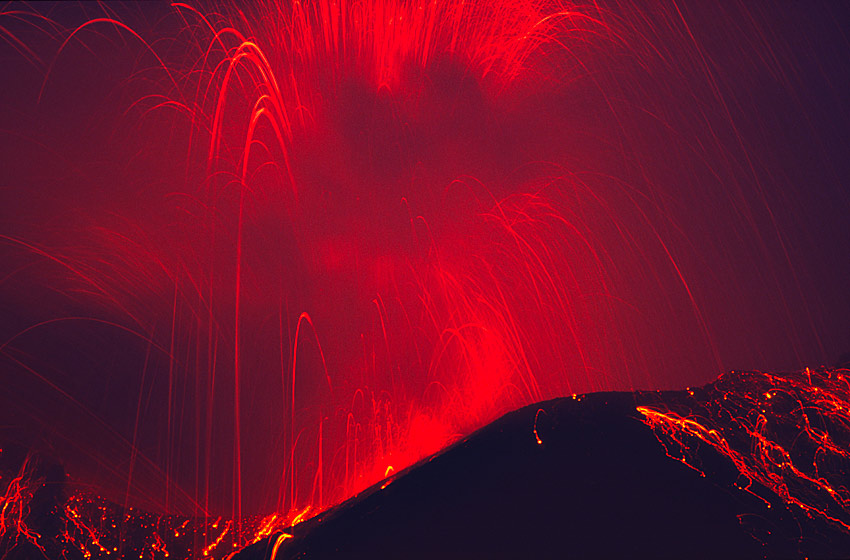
(536,434)
(258,261)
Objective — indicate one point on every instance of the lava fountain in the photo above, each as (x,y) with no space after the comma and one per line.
(256,260)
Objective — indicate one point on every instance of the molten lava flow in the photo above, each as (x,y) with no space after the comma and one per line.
(785,435)
(789,433)
(15,508)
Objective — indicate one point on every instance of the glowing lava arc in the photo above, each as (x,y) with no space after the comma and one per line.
(431,297)
(458,328)
(313,242)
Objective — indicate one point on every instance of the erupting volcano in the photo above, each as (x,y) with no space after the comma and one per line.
(316,278)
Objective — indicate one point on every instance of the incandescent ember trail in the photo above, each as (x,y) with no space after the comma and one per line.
(257,259)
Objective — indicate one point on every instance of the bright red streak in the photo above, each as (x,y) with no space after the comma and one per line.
(469,205)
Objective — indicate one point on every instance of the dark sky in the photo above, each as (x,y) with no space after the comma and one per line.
(658,193)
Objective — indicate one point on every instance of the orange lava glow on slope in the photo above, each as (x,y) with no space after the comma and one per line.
(789,433)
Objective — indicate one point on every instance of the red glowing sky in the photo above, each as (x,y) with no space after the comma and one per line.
(419,217)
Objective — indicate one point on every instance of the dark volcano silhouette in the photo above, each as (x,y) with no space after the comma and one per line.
(597,483)
(753,465)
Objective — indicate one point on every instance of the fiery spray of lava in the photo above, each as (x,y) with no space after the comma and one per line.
(301,188)
(438,299)
(324,239)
